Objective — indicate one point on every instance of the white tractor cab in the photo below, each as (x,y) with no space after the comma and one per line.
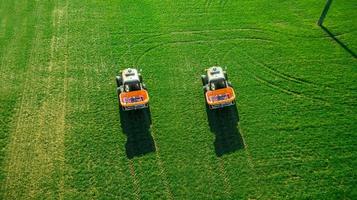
(218,90)
(132,92)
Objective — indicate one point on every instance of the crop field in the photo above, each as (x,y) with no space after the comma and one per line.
(292,134)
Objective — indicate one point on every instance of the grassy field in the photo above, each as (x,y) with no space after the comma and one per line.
(293,134)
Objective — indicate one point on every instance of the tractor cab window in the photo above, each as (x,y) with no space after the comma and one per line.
(218,84)
(131,86)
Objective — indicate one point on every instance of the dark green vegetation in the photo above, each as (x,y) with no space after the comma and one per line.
(62,136)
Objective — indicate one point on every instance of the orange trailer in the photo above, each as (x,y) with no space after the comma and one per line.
(134,100)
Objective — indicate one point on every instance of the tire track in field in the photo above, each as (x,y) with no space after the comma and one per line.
(316,85)
(16,149)
(285,77)
(190,32)
(223,3)
(275,86)
(3,26)
(159,163)
(270,84)
(50,154)
(272,72)
(222,41)
(137,190)
(12,166)
(153,34)
(279,74)
(8,61)
(197,32)
(226,181)
(17,145)
(150,49)
(247,151)
(307,61)
(40,153)
(52,151)
(249,158)
(207,5)
(63,113)
(158,36)
(163,173)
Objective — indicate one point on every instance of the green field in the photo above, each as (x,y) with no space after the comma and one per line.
(293,136)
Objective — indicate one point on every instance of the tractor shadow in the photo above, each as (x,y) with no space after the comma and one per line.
(136,127)
(223,123)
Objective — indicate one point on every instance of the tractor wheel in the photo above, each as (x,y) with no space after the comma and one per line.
(118,91)
(140,78)
(119,81)
(204,80)
(144,87)
(118,94)
(205,89)
(120,107)
(207,106)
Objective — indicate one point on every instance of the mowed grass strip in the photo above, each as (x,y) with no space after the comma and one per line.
(13,63)
(17,62)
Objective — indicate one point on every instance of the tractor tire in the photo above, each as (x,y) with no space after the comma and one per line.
(140,78)
(144,87)
(119,81)
(118,91)
(120,107)
(118,94)
(204,96)
(204,80)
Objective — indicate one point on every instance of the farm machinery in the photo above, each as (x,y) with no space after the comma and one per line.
(132,92)
(217,89)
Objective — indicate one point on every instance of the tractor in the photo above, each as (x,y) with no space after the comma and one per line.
(132,92)
(217,89)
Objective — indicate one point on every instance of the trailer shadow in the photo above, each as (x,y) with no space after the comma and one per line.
(136,126)
(223,123)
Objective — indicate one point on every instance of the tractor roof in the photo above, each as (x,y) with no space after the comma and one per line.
(215,73)
(129,75)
